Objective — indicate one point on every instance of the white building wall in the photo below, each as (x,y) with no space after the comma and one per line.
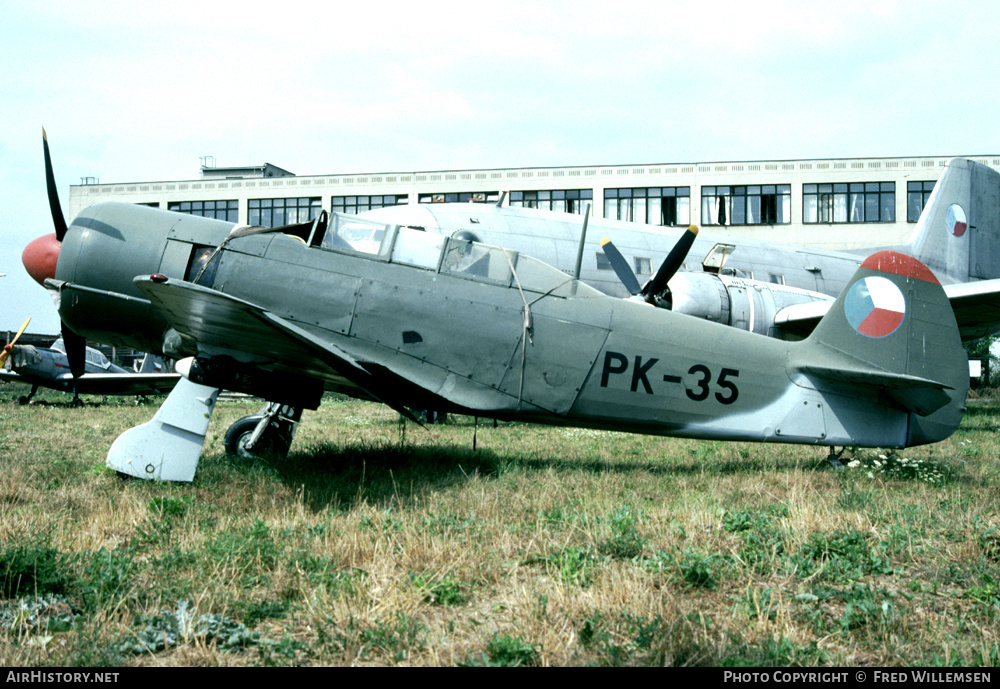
(597,178)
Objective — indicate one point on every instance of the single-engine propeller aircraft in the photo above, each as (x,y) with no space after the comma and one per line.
(420,320)
(752,284)
(48,367)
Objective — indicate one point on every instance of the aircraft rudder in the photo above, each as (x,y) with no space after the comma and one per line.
(893,333)
(958,232)
(151,363)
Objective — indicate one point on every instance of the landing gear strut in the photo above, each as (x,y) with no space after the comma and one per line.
(268,432)
(26,399)
(834,457)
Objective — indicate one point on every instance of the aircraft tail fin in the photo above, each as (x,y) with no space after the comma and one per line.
(958,233)
(151,364)
(892,335)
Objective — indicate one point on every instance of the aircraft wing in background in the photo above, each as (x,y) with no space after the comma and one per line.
(976,306)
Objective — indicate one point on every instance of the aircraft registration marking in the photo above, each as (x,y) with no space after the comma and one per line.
(726,391)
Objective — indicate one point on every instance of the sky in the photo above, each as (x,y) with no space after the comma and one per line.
(133,91)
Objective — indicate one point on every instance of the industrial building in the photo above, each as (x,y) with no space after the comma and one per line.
(830,203)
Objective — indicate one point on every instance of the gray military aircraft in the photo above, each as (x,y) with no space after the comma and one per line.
(49,367)
(421,320)
(755,285)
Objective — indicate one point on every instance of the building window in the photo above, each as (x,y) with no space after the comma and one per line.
(220,210)
(851,202)
(358,204)
(562,200)
(278,212)
(917,194)
(761,204)
(653,206)
(461,197)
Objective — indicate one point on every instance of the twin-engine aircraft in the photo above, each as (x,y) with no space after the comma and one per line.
(420,320)
(752,284)
(49,367)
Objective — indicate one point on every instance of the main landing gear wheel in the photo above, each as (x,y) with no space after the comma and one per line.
(267,434)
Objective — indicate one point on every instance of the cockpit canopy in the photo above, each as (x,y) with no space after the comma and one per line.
(456,256)
(94,356)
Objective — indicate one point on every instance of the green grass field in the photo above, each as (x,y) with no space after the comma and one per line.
(375,543)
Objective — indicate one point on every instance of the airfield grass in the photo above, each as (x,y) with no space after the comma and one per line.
(376,543)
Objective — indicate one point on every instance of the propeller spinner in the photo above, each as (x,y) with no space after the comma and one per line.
(658,283)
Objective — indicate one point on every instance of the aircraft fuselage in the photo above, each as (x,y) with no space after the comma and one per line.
(449,325)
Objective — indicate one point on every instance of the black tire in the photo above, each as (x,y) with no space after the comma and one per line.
(275,442)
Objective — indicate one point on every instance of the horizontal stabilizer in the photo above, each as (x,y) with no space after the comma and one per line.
(920,396)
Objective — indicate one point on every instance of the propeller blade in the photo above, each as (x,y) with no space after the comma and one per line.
(76,351)
(671,263)
(50,182)
(10,345)
(76,345)
(620,265)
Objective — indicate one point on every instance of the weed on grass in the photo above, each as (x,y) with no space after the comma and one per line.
(505,651)
(35,567)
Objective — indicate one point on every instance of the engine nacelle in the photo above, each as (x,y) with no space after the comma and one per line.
(738,302)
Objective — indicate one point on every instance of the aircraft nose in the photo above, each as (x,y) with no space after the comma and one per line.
(40,257)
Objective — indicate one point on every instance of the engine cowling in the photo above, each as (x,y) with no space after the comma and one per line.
(738,302)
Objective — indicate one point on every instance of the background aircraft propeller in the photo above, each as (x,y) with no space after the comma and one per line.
(658,283)
(10,345)
(621,267)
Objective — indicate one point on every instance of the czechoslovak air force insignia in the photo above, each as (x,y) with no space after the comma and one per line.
(957,222)
(874,306)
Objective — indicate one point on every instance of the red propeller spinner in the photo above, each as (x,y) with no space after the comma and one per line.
(40,257)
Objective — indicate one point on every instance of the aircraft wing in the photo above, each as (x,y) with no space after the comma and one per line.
(976,306)
(800,319)
(124,383)
(216,321)
(102,383)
